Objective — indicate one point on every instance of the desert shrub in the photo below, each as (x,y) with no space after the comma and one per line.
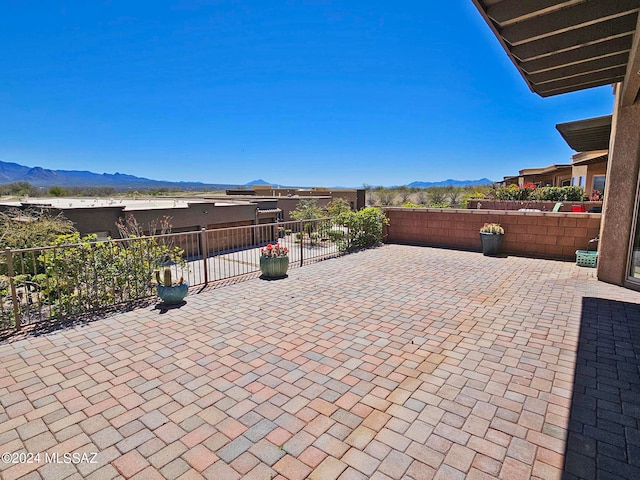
(337,206)
(335,235)
(454,194)
(31,228)
(365,227)
(386,197)
(307,209)
(515,192)
(84,275)
(437,195)
(559,194)
(404,193)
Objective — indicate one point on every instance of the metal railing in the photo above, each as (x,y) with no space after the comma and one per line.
(63,281)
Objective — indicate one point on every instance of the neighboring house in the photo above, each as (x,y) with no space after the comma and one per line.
(590,138)
(100,215)
(588,168)
(565,46)
(551,176)
(355,197)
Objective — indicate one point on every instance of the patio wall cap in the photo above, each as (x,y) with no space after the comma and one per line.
(513,213)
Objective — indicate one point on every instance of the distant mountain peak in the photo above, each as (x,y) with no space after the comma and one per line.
(259,181)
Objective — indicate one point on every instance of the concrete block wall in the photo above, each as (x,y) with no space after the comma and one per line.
(534,234)
(545,206)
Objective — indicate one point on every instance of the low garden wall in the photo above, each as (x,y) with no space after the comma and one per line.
(535,234)
(545,206)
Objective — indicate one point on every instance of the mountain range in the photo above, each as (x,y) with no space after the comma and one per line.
(42,177)
(452,183)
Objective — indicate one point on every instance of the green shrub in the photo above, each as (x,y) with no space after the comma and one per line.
(529,192)
(559,194)
(411,205)
(365,226)
(335,235)
(87,275)
(514,192)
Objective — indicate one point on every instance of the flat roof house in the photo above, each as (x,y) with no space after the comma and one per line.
(564,46)
(100,215)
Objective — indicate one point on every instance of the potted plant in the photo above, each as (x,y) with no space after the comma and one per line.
(169,292)
(491,237)
(274,261)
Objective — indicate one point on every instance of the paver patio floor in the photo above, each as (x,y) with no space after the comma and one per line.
(397,362)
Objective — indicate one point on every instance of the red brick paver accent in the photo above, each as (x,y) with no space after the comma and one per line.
(397,362)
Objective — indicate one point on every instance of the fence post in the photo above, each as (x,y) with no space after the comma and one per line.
(12,285)
(205,252)
(301,241)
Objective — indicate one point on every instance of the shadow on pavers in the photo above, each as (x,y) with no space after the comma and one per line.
(165,307)
(603,440)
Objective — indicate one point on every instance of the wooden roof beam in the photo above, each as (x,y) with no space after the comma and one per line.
(631,84)
(568,20)
(594,51)
(591,34)
(577,69)
(506,13)
(550,89)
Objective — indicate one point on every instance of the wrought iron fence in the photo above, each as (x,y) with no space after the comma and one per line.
(68,280)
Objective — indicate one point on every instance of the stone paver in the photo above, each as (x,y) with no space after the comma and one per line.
(396,362)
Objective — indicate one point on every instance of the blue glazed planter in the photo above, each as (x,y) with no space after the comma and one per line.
(274,267)
(174,294)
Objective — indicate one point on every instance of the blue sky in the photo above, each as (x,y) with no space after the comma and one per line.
(310,92)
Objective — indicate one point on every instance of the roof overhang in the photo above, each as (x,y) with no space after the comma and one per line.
(544,170)
(587,135)
(561,46)
(590,158)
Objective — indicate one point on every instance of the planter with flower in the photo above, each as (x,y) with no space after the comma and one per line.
(491,237)
(169,292)
(274,261)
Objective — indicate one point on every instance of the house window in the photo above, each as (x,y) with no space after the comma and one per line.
(578,181)
(598,182)
(634,260)
(634,272)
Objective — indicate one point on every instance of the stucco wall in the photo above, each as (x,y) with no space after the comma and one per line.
(91,220)
(197,216)
(537,234)
(620,193)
